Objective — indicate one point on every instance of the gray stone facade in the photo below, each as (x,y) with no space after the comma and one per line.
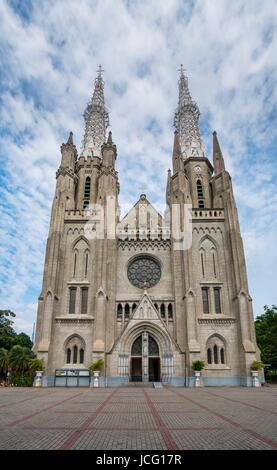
(199,307)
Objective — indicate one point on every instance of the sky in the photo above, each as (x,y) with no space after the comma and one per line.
(49,54)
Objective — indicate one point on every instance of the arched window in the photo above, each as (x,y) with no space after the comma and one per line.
(134,306)
(153,348)
(81,356)
(156,307)
(170,311)
(87,192)
(208,258)
(162,311)
(74,350)
(86,265)
(215,354)
(119,311)
(137,347)
(75,354)
(68,355)
(75,263)
(127,311)
(199,188)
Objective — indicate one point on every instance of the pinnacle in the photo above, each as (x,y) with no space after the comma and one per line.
(70,138)
(110,140)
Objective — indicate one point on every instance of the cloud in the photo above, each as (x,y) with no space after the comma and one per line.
(49,53)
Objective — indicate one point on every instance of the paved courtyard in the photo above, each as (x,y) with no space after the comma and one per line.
(138,418)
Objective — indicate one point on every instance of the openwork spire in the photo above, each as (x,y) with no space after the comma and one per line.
(186,121)
(96,119)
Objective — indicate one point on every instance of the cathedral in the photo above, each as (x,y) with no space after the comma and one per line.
(147,293)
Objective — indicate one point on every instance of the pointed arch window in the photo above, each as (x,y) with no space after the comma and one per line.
(75,354)
(86,264)
(87,192)
(127,311)
(162,311)
(75,263)
(119,311)
(68,355)
(222,356)
(216,350)
(81,356)
(199,188)
(170,311)
(215,354)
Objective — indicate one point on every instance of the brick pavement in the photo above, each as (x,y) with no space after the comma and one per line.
(138,418)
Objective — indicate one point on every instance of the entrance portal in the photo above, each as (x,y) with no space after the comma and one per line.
(154,369)
(136,369)
(145,360)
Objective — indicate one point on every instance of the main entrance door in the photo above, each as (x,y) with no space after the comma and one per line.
(145,360)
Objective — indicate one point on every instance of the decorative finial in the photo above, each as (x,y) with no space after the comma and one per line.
(110,139)
(100,70)
(70,138)
(181,70)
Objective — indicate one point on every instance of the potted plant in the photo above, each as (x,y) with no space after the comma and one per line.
(96,367)
(197,367)
(255,367)
(36,365)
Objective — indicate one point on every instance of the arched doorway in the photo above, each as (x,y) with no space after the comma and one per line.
(145,359)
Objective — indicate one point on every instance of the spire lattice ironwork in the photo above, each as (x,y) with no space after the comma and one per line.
(96,119)
(186,121)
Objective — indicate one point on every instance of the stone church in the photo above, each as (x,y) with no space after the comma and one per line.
(147,293)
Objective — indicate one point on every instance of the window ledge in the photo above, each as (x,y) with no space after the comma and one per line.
(217,367)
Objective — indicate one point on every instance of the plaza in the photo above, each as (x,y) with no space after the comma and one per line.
(138,418)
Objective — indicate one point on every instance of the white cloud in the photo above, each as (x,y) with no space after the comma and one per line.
(48,67)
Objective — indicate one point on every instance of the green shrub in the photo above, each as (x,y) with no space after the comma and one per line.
(36,364)
(97,365)
(198,365)
(21,380)
(257,365)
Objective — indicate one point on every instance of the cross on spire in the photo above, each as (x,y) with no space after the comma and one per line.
(100,70)
(182,70)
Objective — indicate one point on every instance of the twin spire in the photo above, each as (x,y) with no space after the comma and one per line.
(186,121)
(96,119)
(187,133)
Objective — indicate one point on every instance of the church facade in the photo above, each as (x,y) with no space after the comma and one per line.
(147,293)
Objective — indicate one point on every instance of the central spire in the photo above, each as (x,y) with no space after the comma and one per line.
(96,119)
(186,121)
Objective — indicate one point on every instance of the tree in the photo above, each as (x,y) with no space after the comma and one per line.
(19,358)
(4,361)
(266,334)
(24,340)
(8,336)
(7,333)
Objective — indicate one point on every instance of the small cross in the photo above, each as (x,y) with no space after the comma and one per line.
(100,70)
(181,69)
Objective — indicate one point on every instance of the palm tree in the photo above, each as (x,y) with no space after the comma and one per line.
(19,357)
(4,360)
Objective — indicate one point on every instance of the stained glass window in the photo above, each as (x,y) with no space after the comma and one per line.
(144,271)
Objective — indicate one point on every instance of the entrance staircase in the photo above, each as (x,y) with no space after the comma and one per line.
(144,384)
